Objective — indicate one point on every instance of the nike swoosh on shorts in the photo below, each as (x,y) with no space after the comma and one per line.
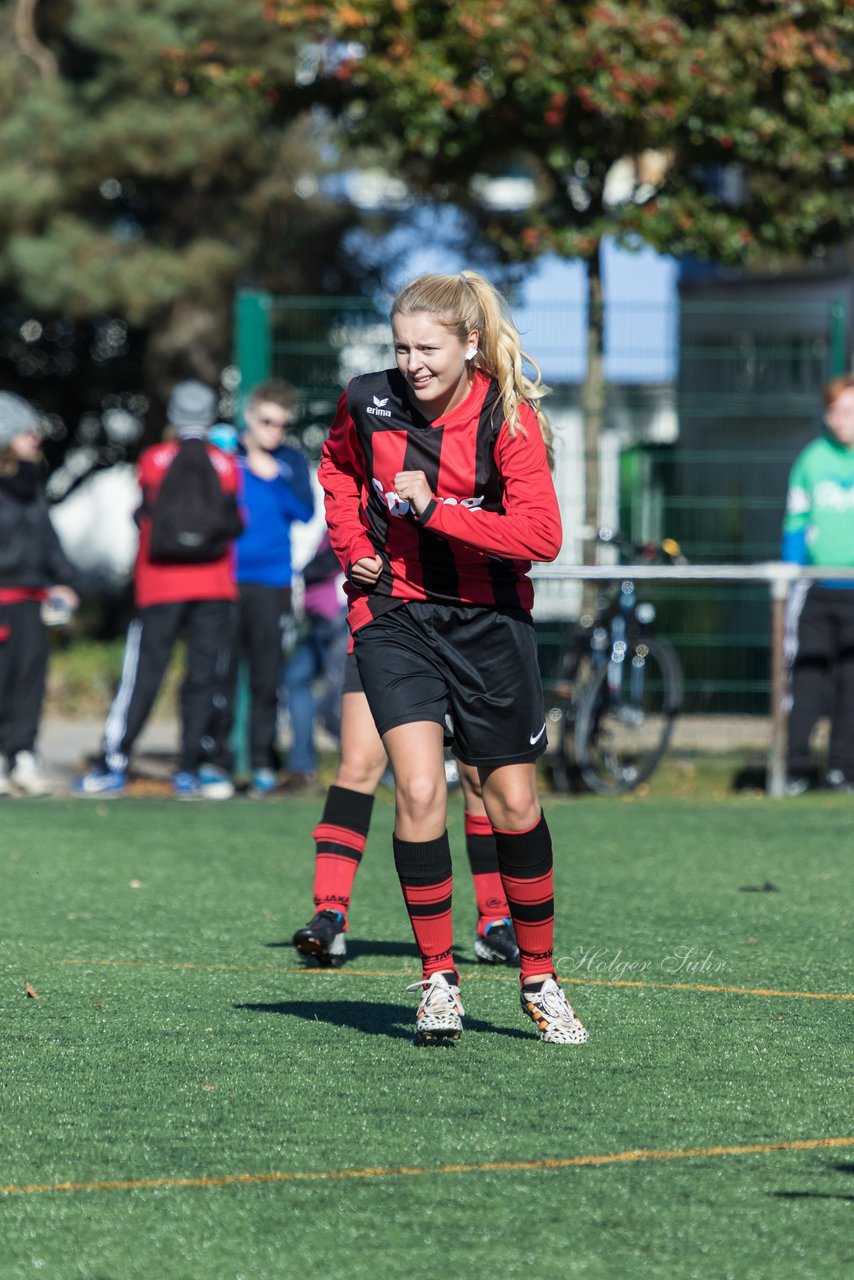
(535,737)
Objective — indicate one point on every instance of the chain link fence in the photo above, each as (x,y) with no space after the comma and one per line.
(707,405)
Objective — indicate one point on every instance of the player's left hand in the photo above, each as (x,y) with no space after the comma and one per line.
(413,488)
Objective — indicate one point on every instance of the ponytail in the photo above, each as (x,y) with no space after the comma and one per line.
(466,302)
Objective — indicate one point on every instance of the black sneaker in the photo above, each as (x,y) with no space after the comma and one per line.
(323,939)
(498,945)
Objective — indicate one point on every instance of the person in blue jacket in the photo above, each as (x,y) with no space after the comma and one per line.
(275,492)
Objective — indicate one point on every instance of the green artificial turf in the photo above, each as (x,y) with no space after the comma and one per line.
(176,1036)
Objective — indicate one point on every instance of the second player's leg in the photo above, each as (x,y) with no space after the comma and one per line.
(495,939)
(363,757)
(341,835)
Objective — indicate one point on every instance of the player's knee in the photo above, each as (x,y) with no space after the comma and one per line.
(418,796)
(362,773)
(515,808)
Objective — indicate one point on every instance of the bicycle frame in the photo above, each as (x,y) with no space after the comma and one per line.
(615,721)
(626,618)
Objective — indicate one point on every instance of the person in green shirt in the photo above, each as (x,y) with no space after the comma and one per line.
(818,529)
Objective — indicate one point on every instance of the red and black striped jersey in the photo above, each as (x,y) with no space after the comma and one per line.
(494,507)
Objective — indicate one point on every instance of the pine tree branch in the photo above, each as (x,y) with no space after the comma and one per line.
(28,41)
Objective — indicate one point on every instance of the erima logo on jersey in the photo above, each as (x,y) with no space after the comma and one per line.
(399,507)
(378,407)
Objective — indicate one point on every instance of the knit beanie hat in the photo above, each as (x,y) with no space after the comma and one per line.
(192,409)
(16,416)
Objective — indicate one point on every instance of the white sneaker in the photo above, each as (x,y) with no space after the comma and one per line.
(26,776)
(553,1015)
(440,1013)
(214,783)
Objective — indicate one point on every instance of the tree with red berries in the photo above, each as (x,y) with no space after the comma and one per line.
(625,115)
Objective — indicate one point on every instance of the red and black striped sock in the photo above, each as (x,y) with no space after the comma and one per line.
(483,860)
(340,839)
(424,868)
(525,859)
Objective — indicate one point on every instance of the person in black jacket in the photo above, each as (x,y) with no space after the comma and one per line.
(33,567)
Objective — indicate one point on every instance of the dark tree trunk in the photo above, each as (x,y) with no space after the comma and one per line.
(593,408)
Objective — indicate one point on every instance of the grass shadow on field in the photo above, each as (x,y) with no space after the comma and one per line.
(369,1017)
(808,1195)
(364,947)
(843,1166)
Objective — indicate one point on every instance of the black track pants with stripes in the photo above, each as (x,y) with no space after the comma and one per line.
(208,627)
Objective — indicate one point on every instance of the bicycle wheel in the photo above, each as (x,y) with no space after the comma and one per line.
(625,716)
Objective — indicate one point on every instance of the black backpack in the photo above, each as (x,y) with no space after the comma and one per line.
(192,519)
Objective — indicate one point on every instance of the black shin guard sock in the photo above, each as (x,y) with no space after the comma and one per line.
(346,808)
(525,854)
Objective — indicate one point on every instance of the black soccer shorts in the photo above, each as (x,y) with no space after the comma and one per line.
(471,669)
(352,679)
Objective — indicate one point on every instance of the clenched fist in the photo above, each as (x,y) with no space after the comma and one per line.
(412,486)
(366,572)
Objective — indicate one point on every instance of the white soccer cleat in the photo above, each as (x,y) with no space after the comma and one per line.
(553,1015)
(440,1013)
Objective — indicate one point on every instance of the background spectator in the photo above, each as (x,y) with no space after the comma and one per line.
(33,567)
(819,529)
(194,597)
(275,492)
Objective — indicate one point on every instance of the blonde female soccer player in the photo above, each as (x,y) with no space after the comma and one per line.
(438,497)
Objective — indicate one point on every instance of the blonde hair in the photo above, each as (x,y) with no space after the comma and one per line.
(467,302)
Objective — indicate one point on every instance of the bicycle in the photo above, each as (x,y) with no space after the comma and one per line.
(619,687)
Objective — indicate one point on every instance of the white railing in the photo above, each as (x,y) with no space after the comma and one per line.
(779,577)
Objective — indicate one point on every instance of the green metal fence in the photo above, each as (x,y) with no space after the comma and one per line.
(703,447)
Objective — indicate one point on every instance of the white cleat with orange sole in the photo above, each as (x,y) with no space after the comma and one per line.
(553,1015)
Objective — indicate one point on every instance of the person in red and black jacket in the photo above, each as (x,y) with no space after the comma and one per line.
(33,569)
(438,498)
(196,599)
